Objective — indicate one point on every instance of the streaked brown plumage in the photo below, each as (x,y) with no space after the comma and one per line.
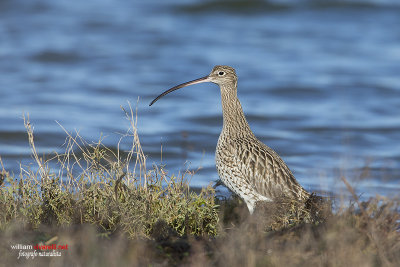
(247,166)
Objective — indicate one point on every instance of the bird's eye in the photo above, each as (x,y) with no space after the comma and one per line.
(221,73)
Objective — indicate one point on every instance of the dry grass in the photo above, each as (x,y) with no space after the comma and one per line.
(111,209)
(113,190)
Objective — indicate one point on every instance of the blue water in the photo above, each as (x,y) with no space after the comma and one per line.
(318,80)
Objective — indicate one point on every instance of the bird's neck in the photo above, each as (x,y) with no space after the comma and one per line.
(235,123)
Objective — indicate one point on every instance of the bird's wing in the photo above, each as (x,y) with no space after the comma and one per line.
(265,170)
(235,174)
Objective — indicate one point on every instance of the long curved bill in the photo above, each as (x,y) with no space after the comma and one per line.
(200,80)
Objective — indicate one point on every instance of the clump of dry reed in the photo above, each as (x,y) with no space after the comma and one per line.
(113,190)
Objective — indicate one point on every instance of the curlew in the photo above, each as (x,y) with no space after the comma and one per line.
(245,165)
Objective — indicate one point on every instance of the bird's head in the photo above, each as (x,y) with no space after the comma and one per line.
(221,75)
